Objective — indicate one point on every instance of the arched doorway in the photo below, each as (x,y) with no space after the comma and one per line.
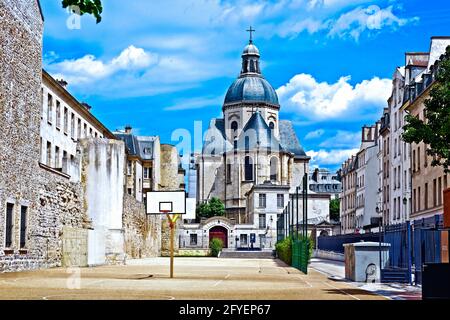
(219,233)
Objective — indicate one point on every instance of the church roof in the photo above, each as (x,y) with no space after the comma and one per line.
(142,147)
(215,139)
(289,139)
(251,88)
(257,135)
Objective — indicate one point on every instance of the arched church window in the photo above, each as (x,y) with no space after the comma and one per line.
(272,125)
(234,126)
(252,66)
(248,169)
(273,169)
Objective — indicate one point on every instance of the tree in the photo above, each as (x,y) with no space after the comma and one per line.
(213,208)
(435,132)
(93,7)
(335,205)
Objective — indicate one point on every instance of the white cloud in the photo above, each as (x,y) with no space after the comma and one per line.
(356,21)
(89,68)
(315,134)
(306,96)
(331,157)
(196,103)
(342,139)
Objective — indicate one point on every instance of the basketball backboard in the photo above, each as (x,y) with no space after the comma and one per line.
(166,202)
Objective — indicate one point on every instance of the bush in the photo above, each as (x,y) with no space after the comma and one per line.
(216,246)
(284,250)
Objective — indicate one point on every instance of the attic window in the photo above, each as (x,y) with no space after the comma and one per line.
(147,151)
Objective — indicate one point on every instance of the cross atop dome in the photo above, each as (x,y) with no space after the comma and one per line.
(251,30)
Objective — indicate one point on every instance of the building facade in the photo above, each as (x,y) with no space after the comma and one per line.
(324,182)
(428,182)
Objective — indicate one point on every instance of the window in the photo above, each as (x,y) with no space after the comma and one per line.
(262,200)
(193,239)
(72,126)
(85,131)
(129,191)
(90,132)
(234,126)
(272,125)
(262,221)
(280,200)
(414,200)
(9,224)
(57,164)
(439,191)
(147,150)
(49,154)
(228,172)
(50,108)
(435,193)
(23,227)
(418,199)
(58,114)
(414,161)
(248,170)
(243,240)
(79,129)
(418,159)
(273,169)
(66,120)
(129,168)
(426,196)
(146,173)
(425,158)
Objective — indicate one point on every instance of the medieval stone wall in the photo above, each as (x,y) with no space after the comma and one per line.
(142,232)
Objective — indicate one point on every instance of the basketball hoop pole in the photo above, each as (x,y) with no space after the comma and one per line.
(172,220)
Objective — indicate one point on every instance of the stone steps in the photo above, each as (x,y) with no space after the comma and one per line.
(246,254)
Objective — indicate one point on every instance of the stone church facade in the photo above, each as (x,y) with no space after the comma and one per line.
(251,159)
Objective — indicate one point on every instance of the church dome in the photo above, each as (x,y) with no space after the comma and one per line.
(250,49)
(251,85)
(251,89)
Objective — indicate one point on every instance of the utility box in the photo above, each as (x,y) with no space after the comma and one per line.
(436,281)
(362,261)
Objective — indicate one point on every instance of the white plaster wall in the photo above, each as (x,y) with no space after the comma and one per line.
(104,164)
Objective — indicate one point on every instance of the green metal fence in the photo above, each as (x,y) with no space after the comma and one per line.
(300,253)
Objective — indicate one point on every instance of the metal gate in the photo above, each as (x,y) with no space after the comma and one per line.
(396,261)
(427,243)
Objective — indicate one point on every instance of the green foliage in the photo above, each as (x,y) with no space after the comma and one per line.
(212,208)
(435,132)
(284,250)
(310,242)
(93,7)
(335,205)
(216,246)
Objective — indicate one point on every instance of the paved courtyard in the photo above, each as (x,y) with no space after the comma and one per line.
(195,278)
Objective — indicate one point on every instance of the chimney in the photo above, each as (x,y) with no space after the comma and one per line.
(63,83)
(88,107)
(128,129)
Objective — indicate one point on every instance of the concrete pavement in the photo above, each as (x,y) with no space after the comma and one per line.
(396,291)
(195,278)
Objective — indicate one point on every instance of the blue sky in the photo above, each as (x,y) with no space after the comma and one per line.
(162,65)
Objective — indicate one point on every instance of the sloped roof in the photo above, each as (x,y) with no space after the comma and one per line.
(257,135)
(215,138)
(289,139)
(142,147)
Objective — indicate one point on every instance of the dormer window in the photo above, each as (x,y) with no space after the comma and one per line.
(147,151)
